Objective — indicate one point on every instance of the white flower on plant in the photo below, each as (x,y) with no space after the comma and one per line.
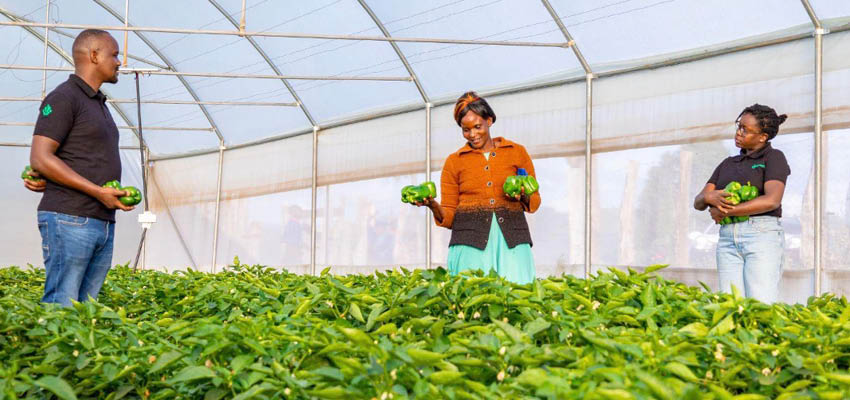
(765,371)
(554,314)
(460,315)
(501,376)
(76,353)
(393,374)
(502,351)
(476,315)
(287,391)
(775,353)
(596,304)
(709,375)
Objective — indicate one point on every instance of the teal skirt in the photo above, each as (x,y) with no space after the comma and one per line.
(515,265)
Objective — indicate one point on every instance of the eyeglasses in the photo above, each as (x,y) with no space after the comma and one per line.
(739,127)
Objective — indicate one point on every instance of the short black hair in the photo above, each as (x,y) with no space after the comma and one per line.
(86,36)
(471,101)
(767,119)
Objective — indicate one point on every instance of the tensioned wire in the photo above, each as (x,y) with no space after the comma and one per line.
(181,119)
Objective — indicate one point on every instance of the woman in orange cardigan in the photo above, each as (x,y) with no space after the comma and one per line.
(489,230)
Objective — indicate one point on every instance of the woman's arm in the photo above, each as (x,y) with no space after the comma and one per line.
(444,214)
(769,201)
(711,197)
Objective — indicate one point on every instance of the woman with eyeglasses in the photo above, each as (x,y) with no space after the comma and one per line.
(750,253)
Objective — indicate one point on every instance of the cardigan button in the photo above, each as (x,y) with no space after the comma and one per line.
(489,184)
(486,167)
(493,154)
(492,201)
(501,220)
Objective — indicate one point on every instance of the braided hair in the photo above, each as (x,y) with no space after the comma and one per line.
(470,101)
(767,119)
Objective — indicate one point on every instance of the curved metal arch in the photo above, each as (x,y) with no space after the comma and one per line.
(269,61)
(61,53)
(168,62)
(398,51)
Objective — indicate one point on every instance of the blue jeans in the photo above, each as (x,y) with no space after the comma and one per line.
(77,255)
(750,256)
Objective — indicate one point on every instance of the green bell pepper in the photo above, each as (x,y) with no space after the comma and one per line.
(26,175)
(416,193)
(748,192)
(512,185)
(530,184)
(132,198)
(133,195)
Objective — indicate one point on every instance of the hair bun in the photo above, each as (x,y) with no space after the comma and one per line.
(782,118)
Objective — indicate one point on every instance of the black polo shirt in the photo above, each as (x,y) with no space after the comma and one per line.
(766,164)
(76,117)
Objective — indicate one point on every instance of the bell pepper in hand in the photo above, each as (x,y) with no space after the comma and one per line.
(26,175)
(415,194)
(132,198)
(748,192)
(512,185)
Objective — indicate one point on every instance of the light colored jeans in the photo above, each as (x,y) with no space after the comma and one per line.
(750,256)
(77,256)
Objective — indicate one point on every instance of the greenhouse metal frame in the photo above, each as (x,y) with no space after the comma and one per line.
(427,103)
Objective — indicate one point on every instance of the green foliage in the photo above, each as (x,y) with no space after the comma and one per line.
(253,332)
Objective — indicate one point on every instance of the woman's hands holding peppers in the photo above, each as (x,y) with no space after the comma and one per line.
(719,199)
(716,214)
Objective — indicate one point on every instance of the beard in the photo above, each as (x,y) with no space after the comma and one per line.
(113,78)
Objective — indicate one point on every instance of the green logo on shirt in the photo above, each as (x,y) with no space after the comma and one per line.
(46,110)
(758,166)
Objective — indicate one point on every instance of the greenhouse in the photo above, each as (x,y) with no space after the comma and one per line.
(271,256)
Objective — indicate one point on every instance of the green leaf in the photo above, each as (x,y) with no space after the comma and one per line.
(534,327)
(57,386)
(695,329)
(193,373)
(515,334)
(165,360)
(723,327)
(681,370)
(356,313)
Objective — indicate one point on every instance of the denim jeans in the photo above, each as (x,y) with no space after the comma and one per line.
(77,255)
(750,256)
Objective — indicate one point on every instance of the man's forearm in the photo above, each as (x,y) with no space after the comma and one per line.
(55,170)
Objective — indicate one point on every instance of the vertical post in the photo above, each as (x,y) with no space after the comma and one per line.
(217,204)
(46,33)
(588,174)
(428,178)
(242,21)
(313,201)
(126,32)
(819,32)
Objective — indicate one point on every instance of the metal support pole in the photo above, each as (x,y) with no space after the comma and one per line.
(588,174)
(819,32)
(217,204)
(126,24)
(242,21)
(143,160)
(314,189)
(428,216)
(818,158)
(46,44)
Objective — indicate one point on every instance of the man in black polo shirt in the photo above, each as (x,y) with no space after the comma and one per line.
(75,147)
